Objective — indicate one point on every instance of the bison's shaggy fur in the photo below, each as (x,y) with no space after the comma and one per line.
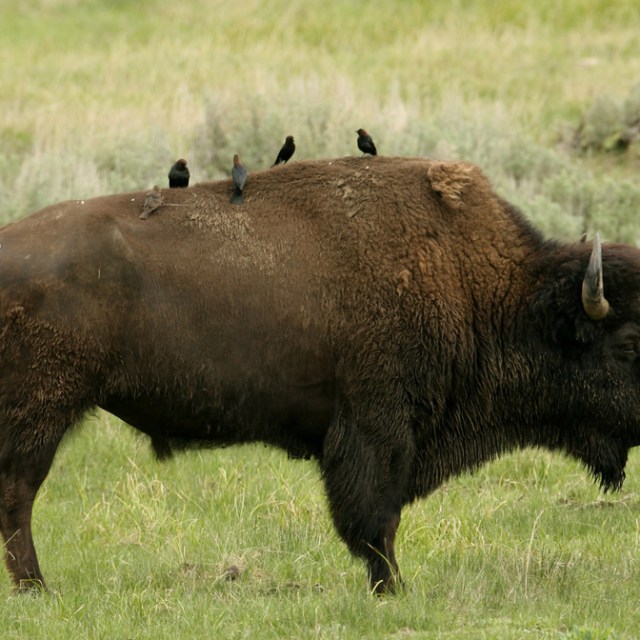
(393,318)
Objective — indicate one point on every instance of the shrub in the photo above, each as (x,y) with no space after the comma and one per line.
(610,124)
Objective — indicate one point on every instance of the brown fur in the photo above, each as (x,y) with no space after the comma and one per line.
(392,317)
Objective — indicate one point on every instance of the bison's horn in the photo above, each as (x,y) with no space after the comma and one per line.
(595,304)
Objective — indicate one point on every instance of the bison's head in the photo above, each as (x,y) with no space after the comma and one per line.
(588,311)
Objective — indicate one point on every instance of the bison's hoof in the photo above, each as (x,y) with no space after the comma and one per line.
(32,586)
(390,586)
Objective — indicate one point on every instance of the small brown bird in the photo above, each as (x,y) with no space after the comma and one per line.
(153,201)
(286,151)
(239,176)
(179,175)
(365,143)
(232,572)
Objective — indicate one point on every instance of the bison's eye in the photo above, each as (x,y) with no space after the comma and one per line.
(624,344)
(627,350)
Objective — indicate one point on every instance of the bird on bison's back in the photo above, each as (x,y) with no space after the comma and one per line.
(286,151)
(179,175)
(239,177)
(365,143)
(152,201)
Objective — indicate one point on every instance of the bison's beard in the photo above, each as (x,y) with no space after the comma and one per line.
(609,479)
(606,461)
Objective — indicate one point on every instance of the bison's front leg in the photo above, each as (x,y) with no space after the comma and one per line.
(365,481)
(20,478)
(384,573)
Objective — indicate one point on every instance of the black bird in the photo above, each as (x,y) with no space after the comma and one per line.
(365,143)
(179,175)
(153,201)
(239,176)
(285,153)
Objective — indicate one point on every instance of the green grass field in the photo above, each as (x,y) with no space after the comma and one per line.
(98,97)
(526,547)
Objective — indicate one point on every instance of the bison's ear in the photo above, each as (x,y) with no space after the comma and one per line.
(454,181)
(558,313)
(573,333)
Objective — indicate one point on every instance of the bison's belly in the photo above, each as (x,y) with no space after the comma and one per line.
(294,418)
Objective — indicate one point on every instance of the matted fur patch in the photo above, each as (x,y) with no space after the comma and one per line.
(451,180)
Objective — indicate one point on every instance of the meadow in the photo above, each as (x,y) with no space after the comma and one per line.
(99,97)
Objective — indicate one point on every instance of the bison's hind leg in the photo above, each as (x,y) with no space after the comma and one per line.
(21,475)
(48,380)
(365,480)
(27,449)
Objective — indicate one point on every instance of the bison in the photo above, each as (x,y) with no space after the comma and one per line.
(393,318)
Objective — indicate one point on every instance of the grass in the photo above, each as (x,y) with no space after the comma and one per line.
(133,548)
(98,97)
